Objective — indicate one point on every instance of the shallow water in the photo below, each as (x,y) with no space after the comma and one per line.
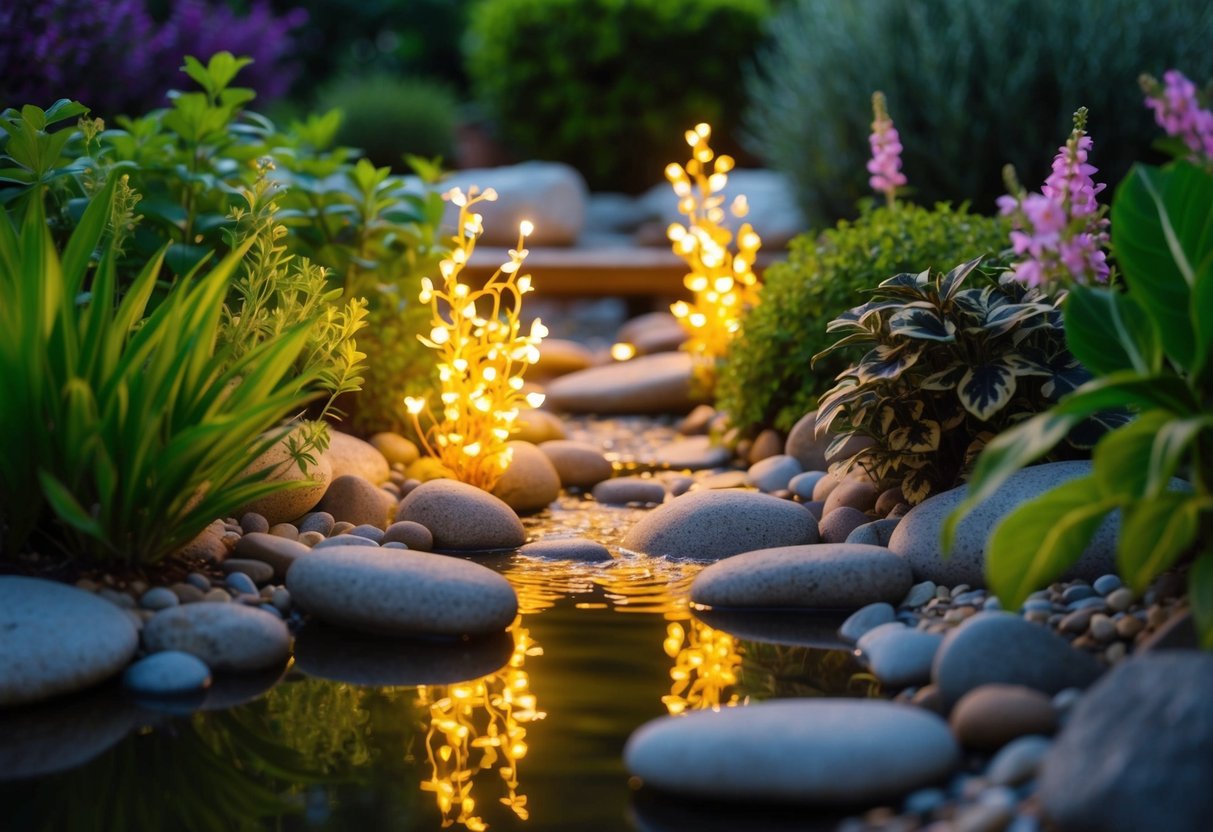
(525,731)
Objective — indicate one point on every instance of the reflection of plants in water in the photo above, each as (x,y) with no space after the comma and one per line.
(706,662)
(325,722)
(771,671)
(477,726)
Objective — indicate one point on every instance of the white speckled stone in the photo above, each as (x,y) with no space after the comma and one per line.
(402,593)
(821,576)
(709,525)
(814,751)
(167,674)
(56,639)
(462,517)
(224,636)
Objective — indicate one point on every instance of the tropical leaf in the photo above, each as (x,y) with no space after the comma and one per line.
(1153,534)
(944,379)
(1109,331)
(921,322)
(984,390)
(919,436)
(950,284)
(886,362)
(1002,319)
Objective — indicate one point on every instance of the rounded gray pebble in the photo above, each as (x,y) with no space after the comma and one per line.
(317,521)
(1106,584)
(251,521)
(1120,599)
(394,544)
(241,583)
(368,531)
(197,579)
(1018,760)
(411,534)
(158,598)
(865,619)
(345,540)
(802,484)
(919,594)
(281,598)
(167,673)
(259,571)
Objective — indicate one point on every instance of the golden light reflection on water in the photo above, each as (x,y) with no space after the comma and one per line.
(480,726)
(706,665)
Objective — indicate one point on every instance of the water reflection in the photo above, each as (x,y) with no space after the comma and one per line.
(706,663)
(480,726)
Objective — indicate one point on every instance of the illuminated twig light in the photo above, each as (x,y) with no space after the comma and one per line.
(483,354)
(723,285)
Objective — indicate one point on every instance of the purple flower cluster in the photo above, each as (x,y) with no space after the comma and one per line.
(1177,110)
(885,164)
(114,57)
(1061,233)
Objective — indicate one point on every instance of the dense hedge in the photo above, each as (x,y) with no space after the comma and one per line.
(610,86)
(972,85)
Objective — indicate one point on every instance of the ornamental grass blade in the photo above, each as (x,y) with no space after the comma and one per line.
(1037,542)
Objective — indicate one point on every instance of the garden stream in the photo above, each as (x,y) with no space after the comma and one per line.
(525,731)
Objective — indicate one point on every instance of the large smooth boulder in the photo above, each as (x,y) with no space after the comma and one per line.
(357,500)
(284,506)
(1137,750)
(917,536)
(55,639)
(402,593)
(806,445)
(224,636)
(808,751)
(822,576)
(552,195)
(462,517)
(578,464)
(349,455)
(531,483)
(1000,647)
(659,383)
(710,525)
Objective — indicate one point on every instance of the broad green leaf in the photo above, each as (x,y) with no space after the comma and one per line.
(1109,331)
(63,109)
(985,389)
(1036,543)
(1153,533)
(1200,594)
(1202,325)
(1162,233)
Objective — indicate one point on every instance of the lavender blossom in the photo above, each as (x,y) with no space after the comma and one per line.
(885,164)
(1177,110)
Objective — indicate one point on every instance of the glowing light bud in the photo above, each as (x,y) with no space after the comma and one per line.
(681,309)
(510,267)
(447,268)
(687,244)
(723,164)
(723,284)
(526,228)
(538,330)
(697,283)
(439,335)
(460,256)
(674,172)
(461,364)
(750,240)
(472,449)
(535,399)
(490,194)
(413,405)
(524,284)
(717,181)
(622,351)
(516,383)
(682,188)
(740,206)
(457,198)
(469,311)
(698,319)
(675,232)
(450,397)
(489,373)
(483,404)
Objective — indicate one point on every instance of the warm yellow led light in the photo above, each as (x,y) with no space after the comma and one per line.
(622,351)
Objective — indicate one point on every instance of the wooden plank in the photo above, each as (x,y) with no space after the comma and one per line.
(595,272)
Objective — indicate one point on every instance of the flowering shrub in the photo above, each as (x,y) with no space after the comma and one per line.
(1060,233)
(885,164)
(724,286)
(477,335)
(1178,111)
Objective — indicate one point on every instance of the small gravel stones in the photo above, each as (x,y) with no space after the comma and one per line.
(625,490)
(278,552)
(356,500)
(56,639)
(1018,760)
(823,576)
(579,464)
(317,521)
(462,517)
(773,473)
(990,716)
(158,598)
(865,619)
(251,521)
(169,673)
(1001,647)
(567,548)
(402,593)
(845,752)
(411,534)
(709,525)
(836,526)
(224,636)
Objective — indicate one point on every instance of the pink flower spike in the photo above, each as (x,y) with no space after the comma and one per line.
(885,164)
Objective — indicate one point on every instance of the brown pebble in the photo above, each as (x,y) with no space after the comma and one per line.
(88,585)
(341,527)
(1102,629)
(1077,622)
(217,595)
(232,527)
(187,593)
(767,444)
(943,593)
(1156,617)
(286,530)
(1129,626)
(1037,616)
(1121,599)
(251,521)
(992,715)
(310,538)
(888,500)
(1115,652)
(930,698)
(137,587)
(230,539)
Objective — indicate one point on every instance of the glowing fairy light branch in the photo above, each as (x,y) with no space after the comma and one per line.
(722,283)
(483,353)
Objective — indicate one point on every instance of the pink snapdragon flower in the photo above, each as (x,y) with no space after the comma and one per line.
(885,164)
(1177,110)
(1060,233)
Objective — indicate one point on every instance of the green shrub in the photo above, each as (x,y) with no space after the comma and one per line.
(947,366)
(972,85)
(610,86)
(767,378)
(387,117)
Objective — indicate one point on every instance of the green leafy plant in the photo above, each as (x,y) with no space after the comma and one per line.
(124,436)
(389,117)
(539,69)
(767,377)
(974,85)
(1151,350)
(947,365)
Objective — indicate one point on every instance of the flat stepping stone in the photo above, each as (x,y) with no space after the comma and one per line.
(399,592)
(817,752)
(623,490)
(832,576)
(567,548)
(578,464)
(462,517)
(226,637)
(710,525)
(55,639)
(359,659)
(278,552)
(659,383)
(917,536)
(694,453)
